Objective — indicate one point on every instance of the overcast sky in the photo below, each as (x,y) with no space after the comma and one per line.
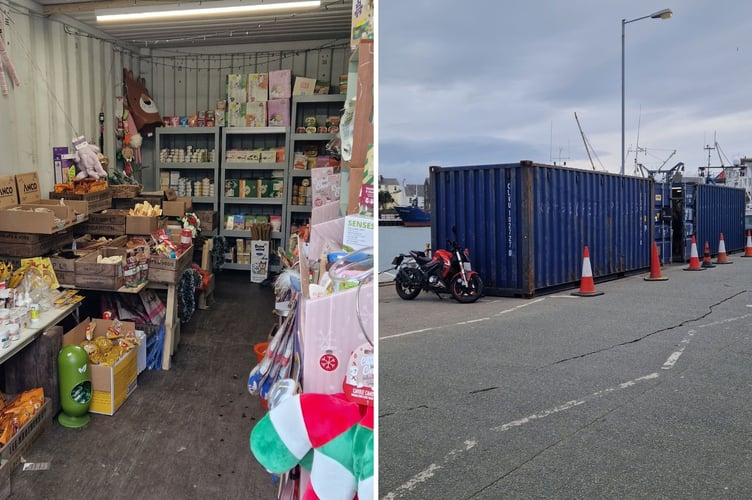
(488,81)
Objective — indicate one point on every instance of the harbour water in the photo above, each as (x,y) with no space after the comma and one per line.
(394,240)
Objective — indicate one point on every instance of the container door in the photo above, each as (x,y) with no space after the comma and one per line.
(683,207)
(663,230)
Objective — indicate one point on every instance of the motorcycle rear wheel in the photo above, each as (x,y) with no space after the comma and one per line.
(469,293)
(405,283)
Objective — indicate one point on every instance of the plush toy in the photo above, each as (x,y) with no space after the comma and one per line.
(326,434)
(86,157)
(140,104)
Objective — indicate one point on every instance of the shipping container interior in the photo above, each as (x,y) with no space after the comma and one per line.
(70,72)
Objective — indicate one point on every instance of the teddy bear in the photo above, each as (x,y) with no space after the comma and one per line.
(86,157)
(328,435)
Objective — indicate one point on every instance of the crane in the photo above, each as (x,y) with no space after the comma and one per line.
(584,140)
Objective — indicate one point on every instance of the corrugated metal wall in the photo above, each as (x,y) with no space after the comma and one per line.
(526,225)
(67,78)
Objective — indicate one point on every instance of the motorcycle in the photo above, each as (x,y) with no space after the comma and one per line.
(446,271)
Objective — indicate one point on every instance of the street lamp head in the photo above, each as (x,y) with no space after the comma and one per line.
(662,14)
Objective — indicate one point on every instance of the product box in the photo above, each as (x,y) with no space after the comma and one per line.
(259,261)
(304,86)
(269,156)
(219,117)
(279,84)
(231,188)
(110,385)
(176,208)
(258,87)
(237,88)
(326,186)
(236,114)
(255,114)
(278,112)
(62,161)
(139,224)
(249,188)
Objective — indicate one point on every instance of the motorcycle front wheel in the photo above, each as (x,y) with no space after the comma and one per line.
(469,293)
(406,284)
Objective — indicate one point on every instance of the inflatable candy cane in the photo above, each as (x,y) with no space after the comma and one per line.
(5,62)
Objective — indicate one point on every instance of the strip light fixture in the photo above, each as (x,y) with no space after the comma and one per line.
(203,9)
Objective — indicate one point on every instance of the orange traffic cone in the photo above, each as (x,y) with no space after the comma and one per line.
(694,259)
(748,248)
(706,262)
(655,266)
(722,258)
(587,286)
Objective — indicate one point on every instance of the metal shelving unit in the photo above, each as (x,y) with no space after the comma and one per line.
(321,107)
(233,172)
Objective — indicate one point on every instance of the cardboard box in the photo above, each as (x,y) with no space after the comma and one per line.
(258,87)
(27,186)
(279,84)
(138,224)
(110,385)
(269,156)
(176,208)
(278,112)
(248,188)
(304,86)
(8,192)
(209,219)
(23,219)
(237,88)
(255,114)
(232,188)
(166,270)
(97,200)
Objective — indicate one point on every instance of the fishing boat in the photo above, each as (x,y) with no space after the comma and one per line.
(413,216)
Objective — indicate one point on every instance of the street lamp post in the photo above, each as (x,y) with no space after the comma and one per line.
(661,14)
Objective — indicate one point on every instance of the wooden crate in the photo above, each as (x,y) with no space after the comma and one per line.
(92,275)
(206,296)
(110,222)
(98,200)
(33,245)
(166,270)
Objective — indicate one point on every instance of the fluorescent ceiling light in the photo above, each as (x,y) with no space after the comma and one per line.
(184,10)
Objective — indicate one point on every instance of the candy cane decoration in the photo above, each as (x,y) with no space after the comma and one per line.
(5,63)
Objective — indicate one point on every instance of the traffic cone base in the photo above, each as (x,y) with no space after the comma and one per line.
(655,266)
(722,258)
(694,259)
(587,286)
(748,247)
(706,262)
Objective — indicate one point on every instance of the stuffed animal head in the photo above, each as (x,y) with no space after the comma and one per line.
(140,104)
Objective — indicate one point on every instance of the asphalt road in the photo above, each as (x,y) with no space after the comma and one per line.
(643,392)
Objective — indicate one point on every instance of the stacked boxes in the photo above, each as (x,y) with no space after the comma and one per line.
(257,100)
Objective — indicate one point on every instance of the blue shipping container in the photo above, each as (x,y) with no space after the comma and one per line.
(526,224)
(706,211)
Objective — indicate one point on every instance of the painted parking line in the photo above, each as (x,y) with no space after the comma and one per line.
(674,357)
(461,323)
(426,474)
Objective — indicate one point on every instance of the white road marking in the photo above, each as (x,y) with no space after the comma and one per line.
(422,330)
(429,472)
(569,296)
(723,321)
(674,357)
(519,307)
(571,404)
(472,321)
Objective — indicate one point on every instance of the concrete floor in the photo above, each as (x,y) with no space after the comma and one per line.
(183,433)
